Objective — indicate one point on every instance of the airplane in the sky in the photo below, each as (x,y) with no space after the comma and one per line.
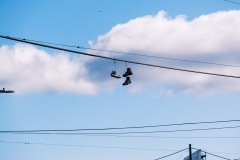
(5,91)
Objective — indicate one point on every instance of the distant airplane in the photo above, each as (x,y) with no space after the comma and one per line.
(4,91)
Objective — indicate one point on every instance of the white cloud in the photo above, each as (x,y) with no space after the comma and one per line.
(24,68)
(214,37)
(159,34)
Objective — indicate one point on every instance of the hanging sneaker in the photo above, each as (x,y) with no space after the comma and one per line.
(128,72)
(115,75)
(127,81)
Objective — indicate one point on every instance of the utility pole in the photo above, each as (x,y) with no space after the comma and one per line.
(190,152)
(5,91)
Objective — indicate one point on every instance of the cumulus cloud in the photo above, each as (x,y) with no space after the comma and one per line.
(214,37)
(159,34)
(25,69)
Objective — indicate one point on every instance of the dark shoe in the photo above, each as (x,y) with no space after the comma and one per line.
(127,81)
(128,72)
(115,75)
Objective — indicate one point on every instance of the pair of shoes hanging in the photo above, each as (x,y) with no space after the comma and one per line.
(127,74)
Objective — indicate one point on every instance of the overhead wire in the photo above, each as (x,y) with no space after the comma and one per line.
(217,156)
(182,155)
(86,146)
(104,147)
(121,60)
(232,2)
(136,54)
(171,154)
(125,128)
(168,137)
(121,133)
(226,152)
(214,154)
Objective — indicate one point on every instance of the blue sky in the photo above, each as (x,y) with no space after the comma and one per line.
(59,90)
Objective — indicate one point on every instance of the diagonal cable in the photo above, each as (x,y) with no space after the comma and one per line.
(121,60)
(171,154)
(232,2)
(123,128)
(135,54)
(214,155)
(122,133)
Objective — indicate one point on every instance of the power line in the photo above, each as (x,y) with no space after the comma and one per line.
(94,146)
(122,133)
(161,137)
(218,152)
(181,155)
(217,156)
(214,155)
(120,60)
(232,2)
(135,54)
(225,152)
(124,128)
(85,146)
(171,154)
